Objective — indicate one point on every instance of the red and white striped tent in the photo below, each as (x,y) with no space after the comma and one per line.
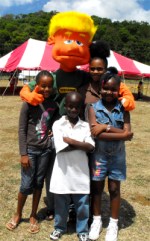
(31,55)
(36,55)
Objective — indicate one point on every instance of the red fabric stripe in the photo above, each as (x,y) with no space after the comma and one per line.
(47,62)
(126,64)
(15,57)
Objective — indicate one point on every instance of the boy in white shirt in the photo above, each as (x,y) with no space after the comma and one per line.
(70,176)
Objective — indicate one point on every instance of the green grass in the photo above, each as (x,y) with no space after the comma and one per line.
(134,216)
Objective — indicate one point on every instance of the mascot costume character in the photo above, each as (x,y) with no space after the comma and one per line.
(71,35)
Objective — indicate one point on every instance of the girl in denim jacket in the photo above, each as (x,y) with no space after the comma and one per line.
(110,125)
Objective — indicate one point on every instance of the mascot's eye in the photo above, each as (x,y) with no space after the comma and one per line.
(79,43)
(68,41)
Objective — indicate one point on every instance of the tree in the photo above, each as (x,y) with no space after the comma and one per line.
(129,38)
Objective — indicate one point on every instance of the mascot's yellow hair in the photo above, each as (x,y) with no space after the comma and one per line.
(74,21)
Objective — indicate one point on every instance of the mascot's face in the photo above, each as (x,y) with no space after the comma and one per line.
(70,48)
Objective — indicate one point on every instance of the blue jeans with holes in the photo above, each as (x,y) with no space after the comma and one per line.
(33,177)
(81,202)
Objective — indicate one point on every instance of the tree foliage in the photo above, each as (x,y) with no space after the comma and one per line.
(129,38)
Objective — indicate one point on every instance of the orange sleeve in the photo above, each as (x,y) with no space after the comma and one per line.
(33,98)
(126,97)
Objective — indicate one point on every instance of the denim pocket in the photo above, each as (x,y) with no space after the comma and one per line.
(102,120)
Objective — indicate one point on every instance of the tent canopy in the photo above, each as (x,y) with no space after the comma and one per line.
(36,55)
(31,55)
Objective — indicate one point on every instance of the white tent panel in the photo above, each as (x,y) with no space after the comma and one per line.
(145,69)
(113,62)
(33,54)
(4,59)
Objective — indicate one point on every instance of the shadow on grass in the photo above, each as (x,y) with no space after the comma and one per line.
(144,98)
(42,214)
(71,225)
(126,216)
(6,91)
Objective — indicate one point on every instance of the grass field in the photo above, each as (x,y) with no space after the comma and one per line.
(134,221)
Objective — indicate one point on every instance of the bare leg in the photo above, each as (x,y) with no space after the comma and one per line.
(35,203)
(12,224)
(114,190)
(96,194)
(97,189)
(21,202)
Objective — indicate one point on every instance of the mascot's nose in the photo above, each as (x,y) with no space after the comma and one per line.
(73,49)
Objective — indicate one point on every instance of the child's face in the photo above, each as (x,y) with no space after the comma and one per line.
(73,106)
(97,68)
(45,86)
(110,90)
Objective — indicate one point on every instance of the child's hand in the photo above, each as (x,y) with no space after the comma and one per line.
(50,133)
(128,135)
(96,129)
(68,140)
(25,162)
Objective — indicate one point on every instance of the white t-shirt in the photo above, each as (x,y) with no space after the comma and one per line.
(71,171)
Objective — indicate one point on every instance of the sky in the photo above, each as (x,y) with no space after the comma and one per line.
(116,10)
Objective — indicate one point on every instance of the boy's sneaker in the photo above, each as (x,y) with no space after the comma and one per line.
(95,229)
(55,235)
(112,233)
(83,237)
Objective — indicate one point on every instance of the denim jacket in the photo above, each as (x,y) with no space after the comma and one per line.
(114,118)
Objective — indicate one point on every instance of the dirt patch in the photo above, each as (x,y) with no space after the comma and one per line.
(145,201)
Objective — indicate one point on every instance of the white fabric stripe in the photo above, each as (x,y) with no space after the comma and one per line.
(112,61)
(33,54)
(143,68)
(3,60)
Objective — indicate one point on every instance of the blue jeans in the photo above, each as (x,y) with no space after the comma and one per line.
(108,159)
(33,177)
(50,195)
(81,202)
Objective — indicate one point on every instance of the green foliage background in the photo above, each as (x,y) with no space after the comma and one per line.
(129,38)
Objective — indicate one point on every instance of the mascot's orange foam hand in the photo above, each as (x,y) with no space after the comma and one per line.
(127,99)
(33,98)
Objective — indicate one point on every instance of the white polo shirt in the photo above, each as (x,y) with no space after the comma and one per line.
(71,171)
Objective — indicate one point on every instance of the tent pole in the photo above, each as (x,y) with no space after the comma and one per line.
(16,80)
(123,77)
(8,85)
(146,88)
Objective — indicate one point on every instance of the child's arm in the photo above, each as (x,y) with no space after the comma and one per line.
(58,134)
(32,97)
(25,162)
(114,133)
(126,97)
(103,133)
(78,145)
(95,127)
(23,125)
